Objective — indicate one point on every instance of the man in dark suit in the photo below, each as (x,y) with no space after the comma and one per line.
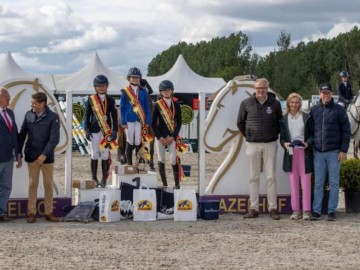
(8,148)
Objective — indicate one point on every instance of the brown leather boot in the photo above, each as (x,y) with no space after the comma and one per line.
(52,218)
(31,218)
(252,214)
(5,218)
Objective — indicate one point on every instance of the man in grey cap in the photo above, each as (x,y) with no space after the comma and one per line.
(331,143)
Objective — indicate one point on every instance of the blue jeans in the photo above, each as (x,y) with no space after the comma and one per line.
(326,162)
(6,173)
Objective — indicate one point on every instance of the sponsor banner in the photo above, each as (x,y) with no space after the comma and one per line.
(17,208)
(315,99)
(240,203)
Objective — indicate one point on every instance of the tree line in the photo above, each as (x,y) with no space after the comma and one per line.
(299,68)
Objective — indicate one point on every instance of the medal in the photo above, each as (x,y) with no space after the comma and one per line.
(104,117)
(108,138)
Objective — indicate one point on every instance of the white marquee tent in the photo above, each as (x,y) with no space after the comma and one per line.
(82,81)
(9,69)
(185,80)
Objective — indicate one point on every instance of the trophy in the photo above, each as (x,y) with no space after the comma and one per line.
(141,160)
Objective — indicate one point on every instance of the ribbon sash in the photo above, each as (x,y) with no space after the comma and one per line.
(134,101)
(100,115)
(168,115)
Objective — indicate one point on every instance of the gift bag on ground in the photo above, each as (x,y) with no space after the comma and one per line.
(109,205)
(165,204)
(144,204)
(126,205)
(185,205)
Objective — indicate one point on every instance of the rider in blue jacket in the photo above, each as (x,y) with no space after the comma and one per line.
(134,112)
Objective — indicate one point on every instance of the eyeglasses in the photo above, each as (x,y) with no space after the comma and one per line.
(135,77)
(261,88)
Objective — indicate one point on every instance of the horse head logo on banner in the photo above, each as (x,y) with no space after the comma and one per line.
(21,91)
(221,133)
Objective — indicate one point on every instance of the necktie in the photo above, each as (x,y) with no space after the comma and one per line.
(7,121)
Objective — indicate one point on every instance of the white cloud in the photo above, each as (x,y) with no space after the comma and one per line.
(337,29)
(66,34)
(91,39)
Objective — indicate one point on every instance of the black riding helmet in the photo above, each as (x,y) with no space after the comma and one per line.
(134,71)
(166,84)
(100,79)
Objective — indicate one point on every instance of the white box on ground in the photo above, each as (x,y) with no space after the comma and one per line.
(149,179)
(83,195)
(124,169)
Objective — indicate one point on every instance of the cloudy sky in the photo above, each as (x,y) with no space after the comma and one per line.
(61,36)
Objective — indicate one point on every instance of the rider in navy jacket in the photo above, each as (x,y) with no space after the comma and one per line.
(344,89)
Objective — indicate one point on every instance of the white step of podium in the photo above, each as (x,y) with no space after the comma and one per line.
(149,179)
(83,195)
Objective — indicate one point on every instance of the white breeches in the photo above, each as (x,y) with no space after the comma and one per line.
(160,148)
(96,151)
(133,133)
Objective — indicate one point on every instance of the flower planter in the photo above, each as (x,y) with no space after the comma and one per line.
(352,202)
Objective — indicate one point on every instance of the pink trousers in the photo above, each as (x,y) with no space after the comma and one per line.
(298,171)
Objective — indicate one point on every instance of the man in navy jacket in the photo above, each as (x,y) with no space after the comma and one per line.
(41,127)
(331,142)
(8,148)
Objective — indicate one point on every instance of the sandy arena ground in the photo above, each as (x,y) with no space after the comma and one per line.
(228,243)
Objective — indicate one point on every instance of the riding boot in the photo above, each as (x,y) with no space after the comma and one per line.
(162,173)
(121,156)
(151,165)
(94,166)
(176,176)
(129,151)
(105,168)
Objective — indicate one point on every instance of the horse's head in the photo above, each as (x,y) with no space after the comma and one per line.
(221,122)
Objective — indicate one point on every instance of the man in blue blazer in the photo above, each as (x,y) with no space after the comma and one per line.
(8,149)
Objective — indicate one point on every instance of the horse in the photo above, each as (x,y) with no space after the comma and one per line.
(353,112)
(221,131)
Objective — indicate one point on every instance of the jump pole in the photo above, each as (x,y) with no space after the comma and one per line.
(201,148)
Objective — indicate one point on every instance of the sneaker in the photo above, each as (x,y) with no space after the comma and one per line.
(332,216)
(274,214)
(296,215)
(315,216)
(306,215)
(252,214)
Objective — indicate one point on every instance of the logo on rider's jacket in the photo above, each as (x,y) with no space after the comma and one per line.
(269,110)
(184,205)
(144,205)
